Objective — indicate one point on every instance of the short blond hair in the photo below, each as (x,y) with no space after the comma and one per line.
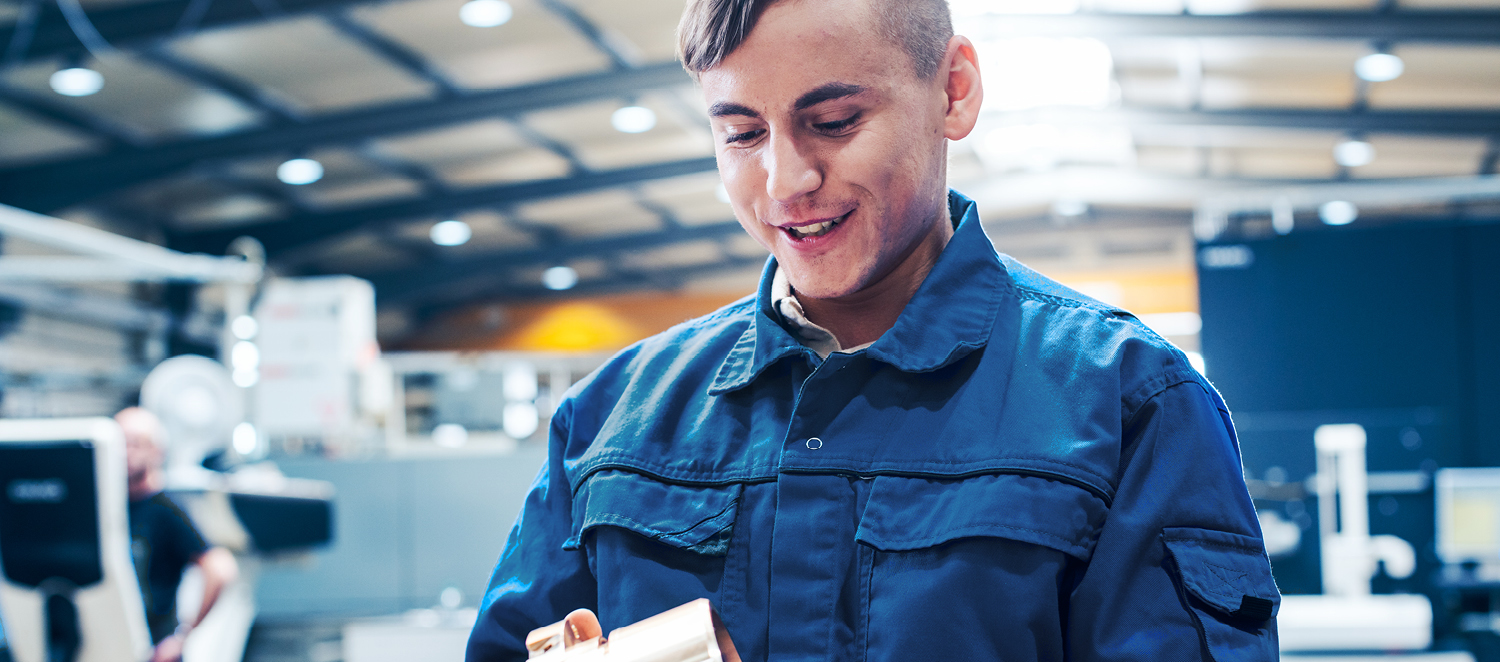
(712,29)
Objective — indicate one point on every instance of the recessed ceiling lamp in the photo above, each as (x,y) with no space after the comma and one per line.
(1353,153)
(1338,212)
(485,13)
(1070,207)
(244,327)
(451,233)
(560,278)
(76,82)
(245,439)
(298,172)
(1379,67)
(633,119)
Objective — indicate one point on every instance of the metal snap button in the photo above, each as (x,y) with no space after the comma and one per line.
(814,443)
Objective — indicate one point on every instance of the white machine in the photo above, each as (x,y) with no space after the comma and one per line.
(1347,617)
(69,591)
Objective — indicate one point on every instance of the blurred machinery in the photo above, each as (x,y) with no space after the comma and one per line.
(52,549)
(1347,617)
(1468,544)
(64,542)
(69,591)
(312,363)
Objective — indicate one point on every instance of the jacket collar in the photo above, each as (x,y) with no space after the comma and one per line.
(953,312)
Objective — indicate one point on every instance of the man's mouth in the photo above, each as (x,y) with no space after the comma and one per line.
(816,229)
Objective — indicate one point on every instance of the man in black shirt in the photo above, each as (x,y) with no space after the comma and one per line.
(163,540)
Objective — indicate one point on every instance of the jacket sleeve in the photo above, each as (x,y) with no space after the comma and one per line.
(1179,571)
(536,582)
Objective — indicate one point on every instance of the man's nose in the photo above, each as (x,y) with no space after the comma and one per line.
(790,173)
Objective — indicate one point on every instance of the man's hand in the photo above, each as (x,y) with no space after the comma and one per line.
(170,649)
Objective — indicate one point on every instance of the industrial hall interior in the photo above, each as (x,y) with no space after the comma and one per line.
(291,290)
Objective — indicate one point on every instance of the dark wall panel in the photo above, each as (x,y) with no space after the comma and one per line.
(1394,328)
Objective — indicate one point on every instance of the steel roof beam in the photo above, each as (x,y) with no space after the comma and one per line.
(1443,26)
(52,186)
(302,229)
(132,24)
(441,282)
(617,283)
(111,133)
(129,24)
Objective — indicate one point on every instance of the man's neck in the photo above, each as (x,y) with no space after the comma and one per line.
(864,316)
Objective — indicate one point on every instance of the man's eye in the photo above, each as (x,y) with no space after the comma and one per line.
(744,136)
(837,126)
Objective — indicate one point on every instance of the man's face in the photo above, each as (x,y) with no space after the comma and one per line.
(818,119)
(142,454)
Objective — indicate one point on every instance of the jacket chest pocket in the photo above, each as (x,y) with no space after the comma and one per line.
(652,545)
(963,568)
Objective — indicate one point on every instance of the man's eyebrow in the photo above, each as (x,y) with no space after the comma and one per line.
(725,108)
(827,92)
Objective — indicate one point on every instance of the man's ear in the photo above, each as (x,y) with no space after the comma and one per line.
(963,86)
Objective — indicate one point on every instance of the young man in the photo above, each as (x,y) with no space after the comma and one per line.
(905,446)
(163,541)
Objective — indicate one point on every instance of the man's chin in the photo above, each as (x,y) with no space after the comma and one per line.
(811,286)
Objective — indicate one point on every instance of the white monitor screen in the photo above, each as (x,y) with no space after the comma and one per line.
(1468,515)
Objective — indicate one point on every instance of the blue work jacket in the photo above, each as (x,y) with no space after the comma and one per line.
(1012,472)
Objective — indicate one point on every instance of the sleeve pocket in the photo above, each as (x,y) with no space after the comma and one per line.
(692,518)
(1225,581)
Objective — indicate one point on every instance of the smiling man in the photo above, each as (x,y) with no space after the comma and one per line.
(905,446)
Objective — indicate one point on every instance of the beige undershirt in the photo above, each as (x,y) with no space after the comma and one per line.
(812,336)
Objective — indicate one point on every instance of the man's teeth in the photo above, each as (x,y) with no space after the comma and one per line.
(816,229)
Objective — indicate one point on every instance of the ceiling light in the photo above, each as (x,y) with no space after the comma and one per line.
(451,233)
(560,278)
(1338,212)
(76,82)
(485,13)
(1218,6)
(1070,207)
(1283,216)
(450,435)
(245,377)
(633,119)
(1353,153)
(245,439)
(1379,67)
(299,171)
(244,356)
(244,327)
(520,420)
(519,383)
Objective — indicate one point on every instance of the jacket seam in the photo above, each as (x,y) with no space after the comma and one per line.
(1208,543)
(933,540)
(1171,380)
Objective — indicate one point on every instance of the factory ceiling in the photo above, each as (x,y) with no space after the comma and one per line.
(343,133)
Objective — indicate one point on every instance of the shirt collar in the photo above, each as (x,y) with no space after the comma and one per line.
(812,336)
(953,313)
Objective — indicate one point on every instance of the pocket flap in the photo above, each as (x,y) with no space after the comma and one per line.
(1227,571)
(683,516)
(911,513)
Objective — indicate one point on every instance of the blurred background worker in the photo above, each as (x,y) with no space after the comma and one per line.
(163,540)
